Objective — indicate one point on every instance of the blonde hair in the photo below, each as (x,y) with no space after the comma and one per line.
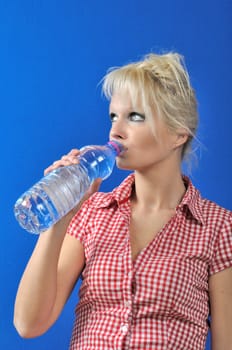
(162,83)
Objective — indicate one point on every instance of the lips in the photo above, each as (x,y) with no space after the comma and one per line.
(123,152)
(124,148)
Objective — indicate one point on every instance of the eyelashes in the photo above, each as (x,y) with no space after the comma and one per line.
(133,116)
(113,117)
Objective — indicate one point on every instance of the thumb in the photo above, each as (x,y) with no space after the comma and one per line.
(94,187)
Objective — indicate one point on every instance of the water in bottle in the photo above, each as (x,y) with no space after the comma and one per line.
(61,190)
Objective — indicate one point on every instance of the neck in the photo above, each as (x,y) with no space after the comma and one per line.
(158,190)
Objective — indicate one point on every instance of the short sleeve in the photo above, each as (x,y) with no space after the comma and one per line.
(77,226)
(222,258)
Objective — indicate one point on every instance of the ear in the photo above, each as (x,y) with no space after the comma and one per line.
(181,137)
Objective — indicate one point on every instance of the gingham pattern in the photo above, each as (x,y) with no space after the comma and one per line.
(161,300)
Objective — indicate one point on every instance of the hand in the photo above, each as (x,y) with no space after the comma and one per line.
(70,159)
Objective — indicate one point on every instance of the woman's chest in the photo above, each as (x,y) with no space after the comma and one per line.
(144,227)
(171,267)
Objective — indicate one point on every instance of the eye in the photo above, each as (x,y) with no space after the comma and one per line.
(136,117)
(113,117)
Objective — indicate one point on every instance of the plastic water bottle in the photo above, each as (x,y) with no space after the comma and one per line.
(62,189)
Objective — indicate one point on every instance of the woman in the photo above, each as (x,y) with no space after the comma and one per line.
(155,257)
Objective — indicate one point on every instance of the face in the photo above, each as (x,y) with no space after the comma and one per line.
(144,149)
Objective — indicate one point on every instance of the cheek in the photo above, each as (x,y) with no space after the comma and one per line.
(136,157)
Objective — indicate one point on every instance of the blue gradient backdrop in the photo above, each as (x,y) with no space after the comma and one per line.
(52,56)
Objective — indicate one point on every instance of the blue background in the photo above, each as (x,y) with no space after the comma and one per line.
(52,56)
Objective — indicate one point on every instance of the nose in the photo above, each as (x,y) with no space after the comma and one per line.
(118,130)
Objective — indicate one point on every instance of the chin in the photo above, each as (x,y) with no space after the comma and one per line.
(123,166)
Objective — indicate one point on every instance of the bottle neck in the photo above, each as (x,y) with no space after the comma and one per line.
(118,148)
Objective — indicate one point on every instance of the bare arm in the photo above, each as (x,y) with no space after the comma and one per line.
(51,273)
(220,288)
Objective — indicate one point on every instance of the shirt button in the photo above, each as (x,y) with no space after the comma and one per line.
(124,328)
(128,303)
(130,274)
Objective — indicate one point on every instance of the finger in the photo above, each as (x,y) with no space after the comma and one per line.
(74,152)
(57,164)
(69,159)
(49,169)
(65,160)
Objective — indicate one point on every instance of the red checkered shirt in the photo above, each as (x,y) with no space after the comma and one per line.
(161,300)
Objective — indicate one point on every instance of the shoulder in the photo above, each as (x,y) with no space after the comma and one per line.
(218,227)
(214,214)
(217,232)
(209,212)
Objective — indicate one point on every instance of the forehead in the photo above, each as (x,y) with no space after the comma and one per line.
(124,99)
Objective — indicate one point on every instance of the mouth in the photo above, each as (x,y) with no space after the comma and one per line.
(122,153)
(122,146)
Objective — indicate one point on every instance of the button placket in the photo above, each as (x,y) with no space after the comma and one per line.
(124,328)
(126,318)
(127,303)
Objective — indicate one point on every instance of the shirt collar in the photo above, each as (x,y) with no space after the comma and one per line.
(121,194)
(193,200)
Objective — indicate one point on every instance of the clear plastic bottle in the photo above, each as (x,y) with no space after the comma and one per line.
(61,190)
